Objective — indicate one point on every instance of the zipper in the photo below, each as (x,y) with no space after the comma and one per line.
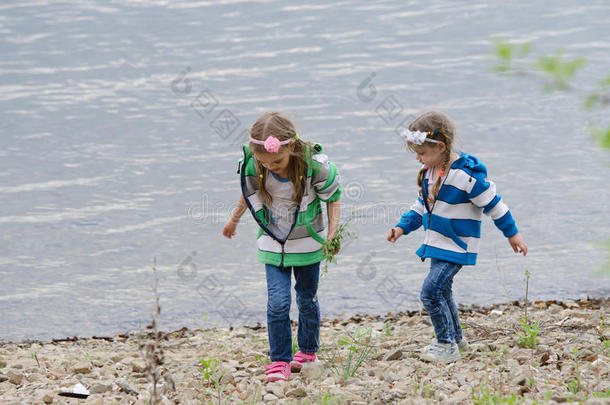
(430,209)
(296,217)
(282,261)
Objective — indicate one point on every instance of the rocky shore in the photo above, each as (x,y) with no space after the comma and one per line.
(560,355)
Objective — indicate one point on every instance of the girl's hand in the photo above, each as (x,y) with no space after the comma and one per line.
(518,244)
(229,229)
(394,234)
(326,243)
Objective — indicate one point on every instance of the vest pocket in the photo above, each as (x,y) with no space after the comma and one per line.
(312,232)
(445,227)
(454,236)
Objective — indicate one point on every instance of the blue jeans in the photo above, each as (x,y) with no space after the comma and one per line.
(438,300)
(278,310)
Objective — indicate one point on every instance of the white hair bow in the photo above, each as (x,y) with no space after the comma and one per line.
(416,137)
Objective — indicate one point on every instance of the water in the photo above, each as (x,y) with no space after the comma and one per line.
(109,156)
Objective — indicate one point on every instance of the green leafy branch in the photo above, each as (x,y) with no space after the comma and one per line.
(558,71)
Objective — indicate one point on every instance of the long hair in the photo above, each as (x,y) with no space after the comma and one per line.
(440,127)
(277,125)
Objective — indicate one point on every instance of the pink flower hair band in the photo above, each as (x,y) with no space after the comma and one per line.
(272,144)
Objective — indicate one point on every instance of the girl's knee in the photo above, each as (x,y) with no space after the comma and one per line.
(430,293)
(278,305)
(307,303)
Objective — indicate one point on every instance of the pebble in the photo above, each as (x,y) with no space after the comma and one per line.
(14,377)
(47,398)
(81,368)
(270,398)
(393,355)
(276,388)
(311,371)
(100,388)
(138,366)
(296,393)
(125,386)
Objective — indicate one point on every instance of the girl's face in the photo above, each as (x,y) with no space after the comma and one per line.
(430,155)
(276,162)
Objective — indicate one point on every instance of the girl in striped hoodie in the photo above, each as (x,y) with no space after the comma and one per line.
(454,193)
(283,182)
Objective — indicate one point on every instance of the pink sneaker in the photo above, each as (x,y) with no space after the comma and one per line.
(278,370)
(300,358)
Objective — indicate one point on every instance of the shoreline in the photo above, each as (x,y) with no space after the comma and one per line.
(570,361)
(462,309)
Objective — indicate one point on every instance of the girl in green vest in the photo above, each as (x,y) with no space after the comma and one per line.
(283,182)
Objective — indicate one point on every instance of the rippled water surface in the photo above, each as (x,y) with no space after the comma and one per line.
(121,124)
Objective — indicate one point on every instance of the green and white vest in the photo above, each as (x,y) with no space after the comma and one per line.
(303,246)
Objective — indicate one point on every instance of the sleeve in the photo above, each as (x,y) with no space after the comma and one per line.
(412,220)
(326,181)
(483,195)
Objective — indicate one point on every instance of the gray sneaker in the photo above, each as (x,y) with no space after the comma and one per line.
(445,352)
(463,345)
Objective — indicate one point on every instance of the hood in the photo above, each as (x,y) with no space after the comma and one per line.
(471,162)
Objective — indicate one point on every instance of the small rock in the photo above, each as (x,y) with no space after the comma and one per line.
(389,344)
(100,388)
(47,398)
(496,312)
(460,397)
(276,388)
(461,380)
(540,305)
(2,363)
(97,363)
(519,380)
(392,377)
(560,398)
(311,371)
(393,355)
(596,401)
(580,314)
(227,378)
(81,368)
(296,393)
(270,398)
(597,365)
(116,358)
(15,378)
(138,367)
(124,385)
(331,381)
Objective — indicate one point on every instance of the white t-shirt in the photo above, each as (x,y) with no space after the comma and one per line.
(282,208)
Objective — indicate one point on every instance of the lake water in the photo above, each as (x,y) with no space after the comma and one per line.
(121,125)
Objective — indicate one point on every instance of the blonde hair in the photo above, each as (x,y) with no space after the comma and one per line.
(440,127)
(277,125)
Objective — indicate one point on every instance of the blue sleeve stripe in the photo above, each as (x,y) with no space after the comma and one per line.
(492,203)
(410,221)
(478,188)
(507,225)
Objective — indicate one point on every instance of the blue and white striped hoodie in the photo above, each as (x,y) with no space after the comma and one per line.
(453,228)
